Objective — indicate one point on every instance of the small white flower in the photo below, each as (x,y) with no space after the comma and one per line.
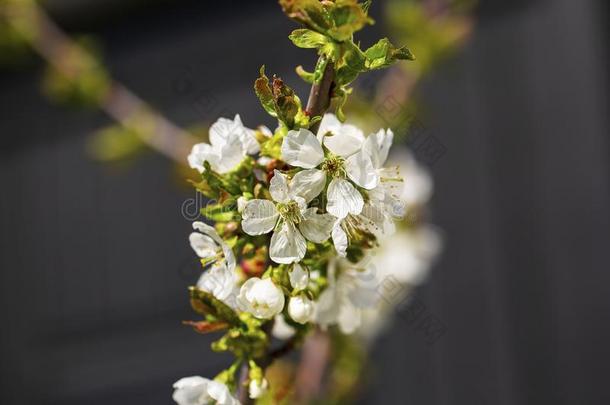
(257,388)
(220,279)
(301,309)
(207,244)
(261,298)
(229,143)
(202,391)
(281,330)
(299,277)
(289,216)
(347,160)
(346,297)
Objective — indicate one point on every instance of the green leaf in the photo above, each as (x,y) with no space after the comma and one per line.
(204,303)
(264,93)
(351,64)
(383,54)
(310,13)
(305,38)
(348,16)
(287,104)
(220,212)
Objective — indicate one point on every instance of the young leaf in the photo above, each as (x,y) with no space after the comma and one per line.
(264,93)
(205,303)
(304,38)
(383,54)
(287,104)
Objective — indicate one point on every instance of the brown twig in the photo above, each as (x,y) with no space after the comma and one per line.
(320,95)
(52,44)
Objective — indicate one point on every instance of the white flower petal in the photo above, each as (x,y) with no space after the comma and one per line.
(220,281)
(204,246)
(343,199)
(200,153)
(231,154)
(278,187)
(378,145)
(287,245)
(300,309)
(339,239)
(261,298)
(308,184)
(299,278)
(259,217)
(349,318)
(247,137)
(360,170)
(211,232)
(302,149)
(191,391)
(316,227)
(281,330)
(346,139)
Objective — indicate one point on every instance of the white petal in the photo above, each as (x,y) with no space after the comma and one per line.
(378,145)
(278,187)
(247,137)
(339,239)
(191,391)
(259,217)
(299,278)
(346,139)
(231,154)
(287,245)
(281,330)
(200,153)
(308,184)
(343,199)
(360,169)
(204,246)
(302,149)
(220,281)
(349,318)
(327,308)
(211,232)
(316,227)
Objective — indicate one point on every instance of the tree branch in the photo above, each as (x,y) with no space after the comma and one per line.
(153,129)
(320,95)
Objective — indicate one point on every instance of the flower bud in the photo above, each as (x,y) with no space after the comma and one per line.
(257,388)
(261,298)
(301,309)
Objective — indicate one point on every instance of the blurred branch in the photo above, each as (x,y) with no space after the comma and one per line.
(58,49)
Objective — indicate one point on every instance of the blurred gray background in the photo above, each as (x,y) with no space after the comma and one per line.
(94,260)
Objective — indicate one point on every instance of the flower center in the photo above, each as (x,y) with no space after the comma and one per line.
(290,211)
(334,166)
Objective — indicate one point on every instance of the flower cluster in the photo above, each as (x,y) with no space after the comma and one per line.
(298,212)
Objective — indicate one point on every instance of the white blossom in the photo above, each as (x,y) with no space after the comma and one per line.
(346,160)
(229,143)
(299,277)
(348,294)
(257,388)
(301,309)
(261,298)
(202,391)
(220,279)
(281,330)
(289,216)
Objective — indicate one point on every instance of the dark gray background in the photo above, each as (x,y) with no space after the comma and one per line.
(94,260)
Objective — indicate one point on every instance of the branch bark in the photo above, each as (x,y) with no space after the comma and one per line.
(320,95)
